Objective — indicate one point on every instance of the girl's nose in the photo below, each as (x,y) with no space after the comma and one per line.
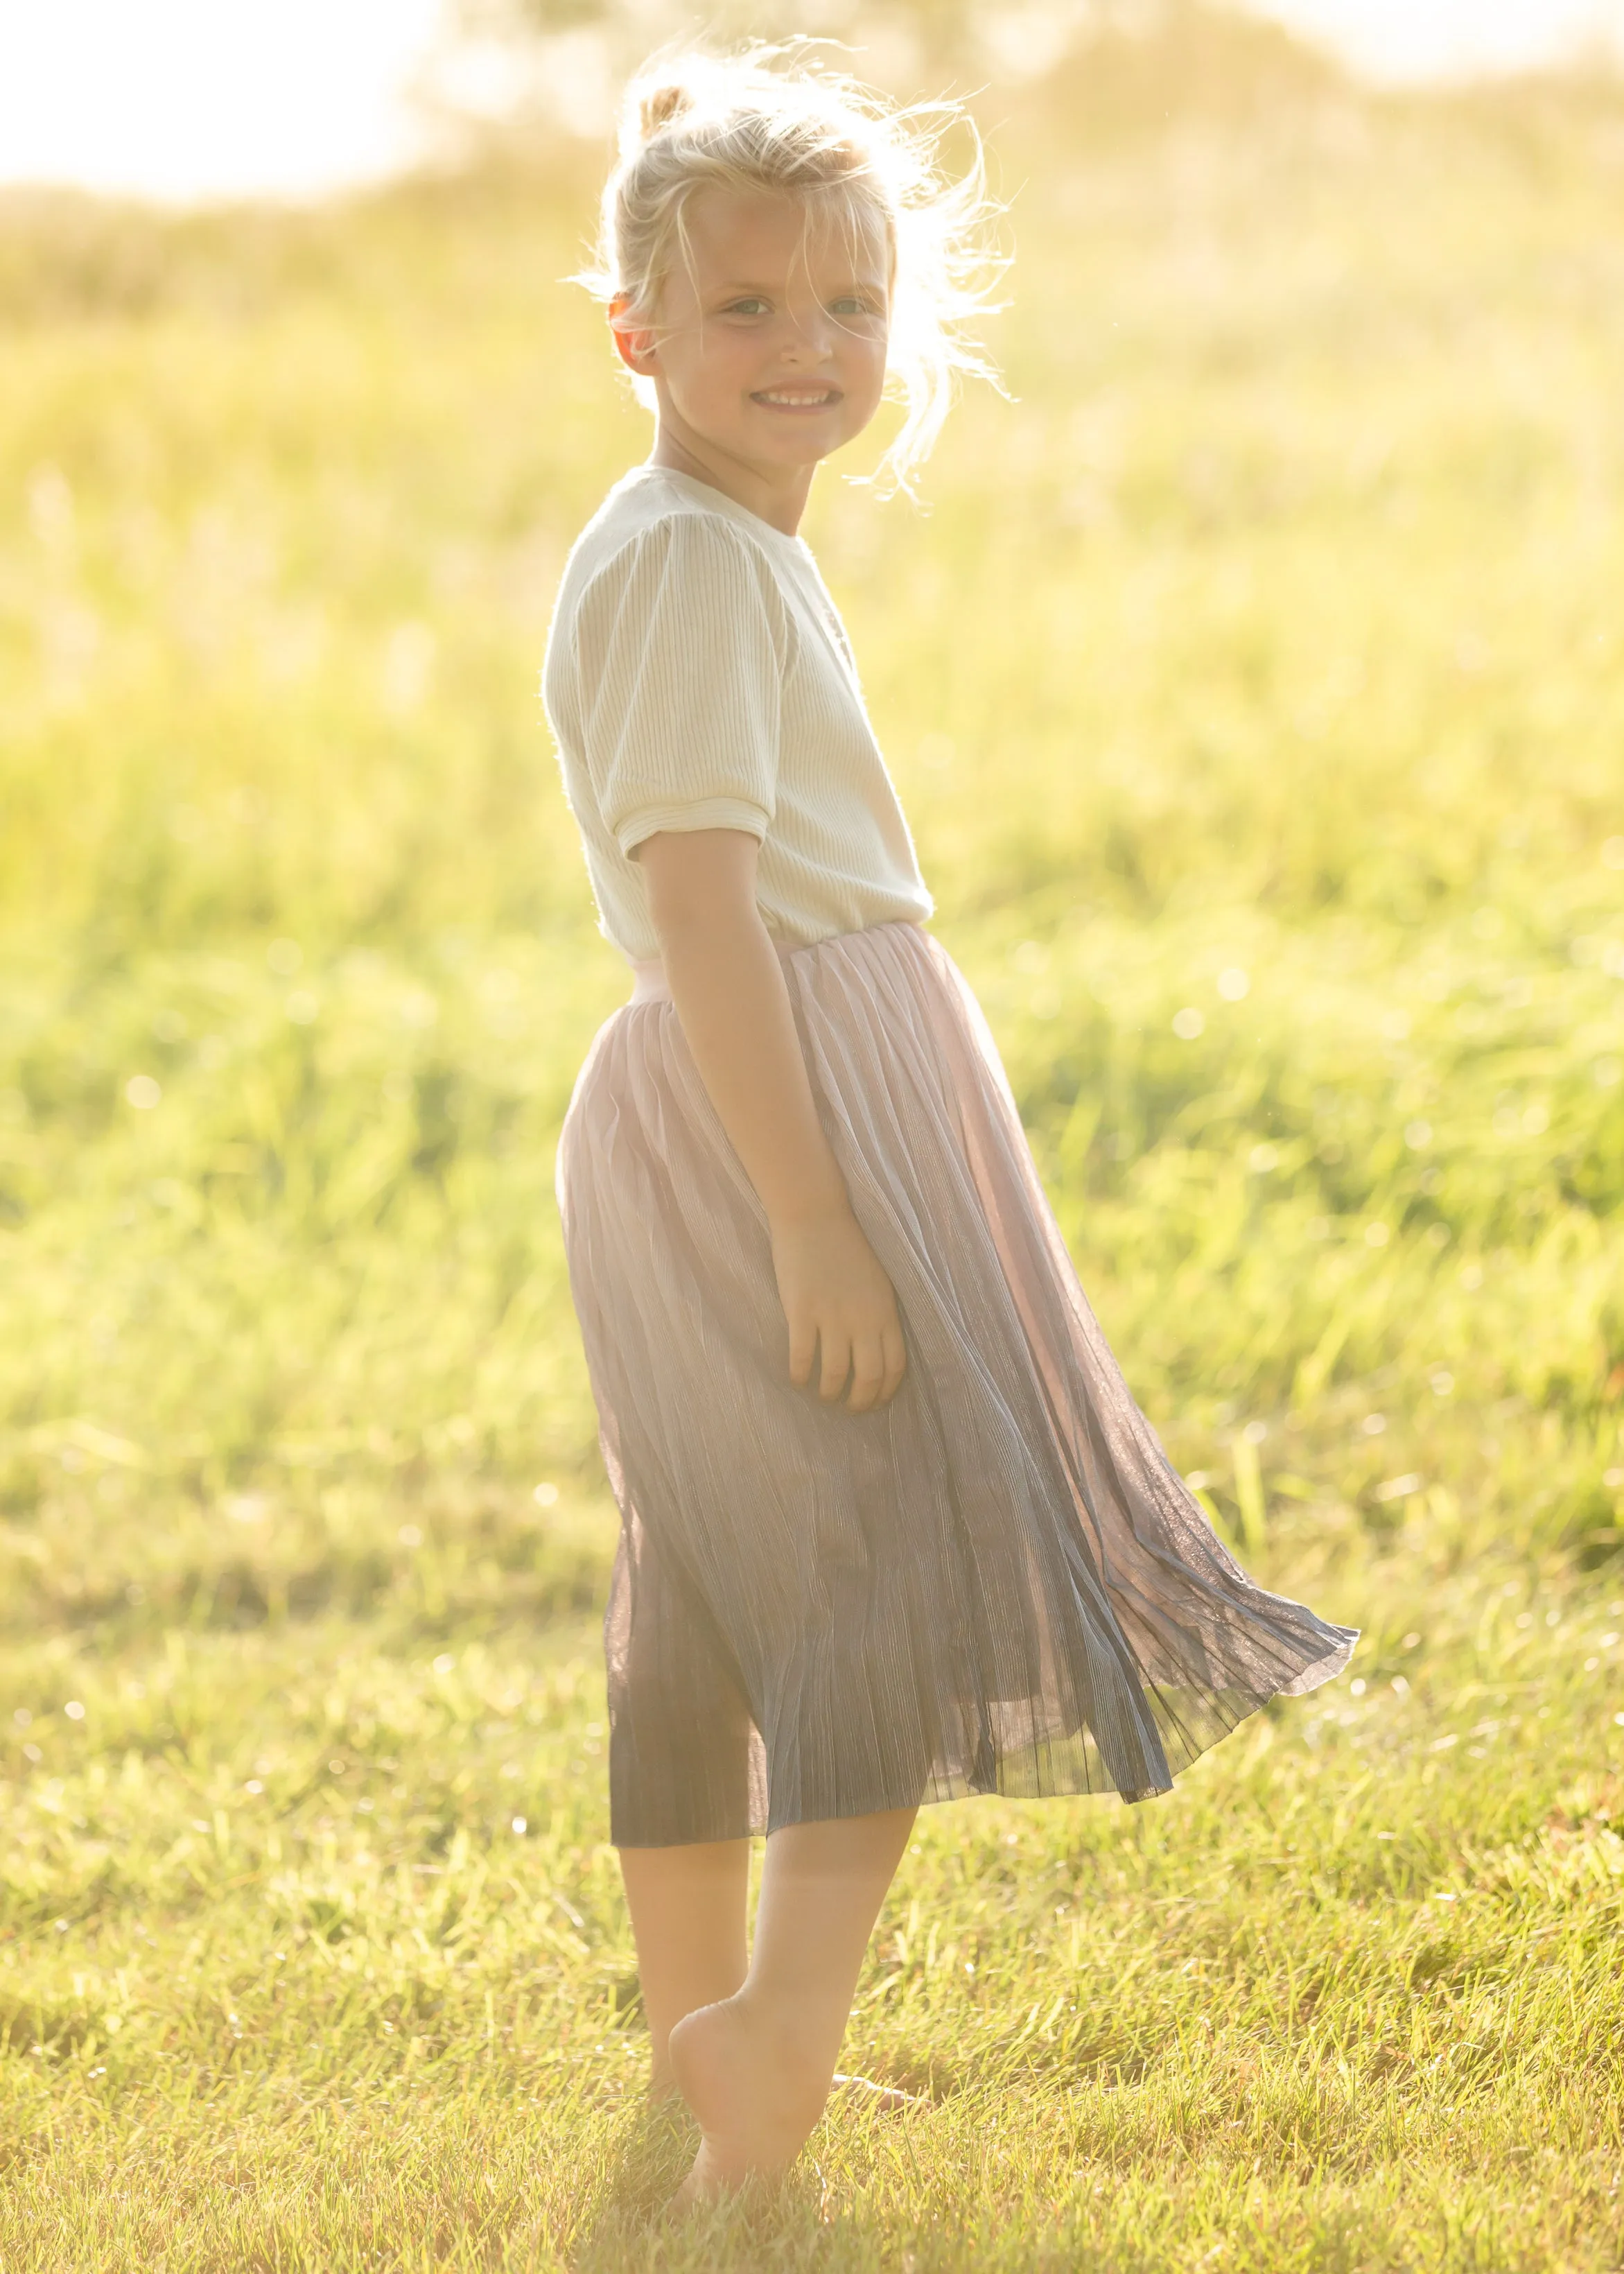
(810,329)
(803,344)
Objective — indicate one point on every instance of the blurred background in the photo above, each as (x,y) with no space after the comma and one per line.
(1254,676)
(184,98)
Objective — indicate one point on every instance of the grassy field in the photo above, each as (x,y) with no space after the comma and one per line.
(1255,682)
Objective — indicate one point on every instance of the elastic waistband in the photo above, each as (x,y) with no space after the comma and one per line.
(650,983)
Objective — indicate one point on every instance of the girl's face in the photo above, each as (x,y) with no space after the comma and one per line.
(769,341)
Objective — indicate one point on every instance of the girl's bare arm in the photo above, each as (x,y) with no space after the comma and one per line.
(730,994)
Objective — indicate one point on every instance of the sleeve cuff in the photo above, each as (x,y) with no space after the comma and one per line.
(687,814)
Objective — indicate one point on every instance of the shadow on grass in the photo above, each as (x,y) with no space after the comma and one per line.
(653,2150)
(782,2222)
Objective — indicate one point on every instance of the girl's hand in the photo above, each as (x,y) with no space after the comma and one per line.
(838,1300)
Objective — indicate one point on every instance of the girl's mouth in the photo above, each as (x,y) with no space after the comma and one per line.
(797,398)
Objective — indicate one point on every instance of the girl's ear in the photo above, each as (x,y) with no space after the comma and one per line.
(634,342)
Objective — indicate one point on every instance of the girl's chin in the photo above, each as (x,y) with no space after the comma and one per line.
(793,438)
(797,435)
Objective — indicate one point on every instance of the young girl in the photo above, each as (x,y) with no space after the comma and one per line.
(893,1529)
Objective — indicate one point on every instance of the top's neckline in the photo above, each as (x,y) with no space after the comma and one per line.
(718,502)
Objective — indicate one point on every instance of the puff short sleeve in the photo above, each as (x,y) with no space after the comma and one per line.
(681,642)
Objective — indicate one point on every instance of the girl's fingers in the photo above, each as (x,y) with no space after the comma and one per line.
(837,1349)
(868,1373)
(803,1343)
(896,1352)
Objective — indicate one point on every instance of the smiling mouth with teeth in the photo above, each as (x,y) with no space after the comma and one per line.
(785,399)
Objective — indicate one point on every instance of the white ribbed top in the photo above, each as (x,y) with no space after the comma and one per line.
(698,676)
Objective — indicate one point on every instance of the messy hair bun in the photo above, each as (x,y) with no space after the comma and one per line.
(766,118)
(657,106)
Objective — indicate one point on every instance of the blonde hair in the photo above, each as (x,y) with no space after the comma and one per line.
(765,119)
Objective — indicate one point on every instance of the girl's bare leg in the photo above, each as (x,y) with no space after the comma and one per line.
(688,1906)
(755,2066)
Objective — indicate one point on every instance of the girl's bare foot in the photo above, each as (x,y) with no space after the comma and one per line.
(755,2094)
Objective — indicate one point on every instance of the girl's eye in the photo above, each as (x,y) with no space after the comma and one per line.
(747,307)
(852,305)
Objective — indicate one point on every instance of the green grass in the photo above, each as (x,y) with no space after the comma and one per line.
(1256,687)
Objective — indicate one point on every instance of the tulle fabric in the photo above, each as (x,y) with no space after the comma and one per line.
(996,1582)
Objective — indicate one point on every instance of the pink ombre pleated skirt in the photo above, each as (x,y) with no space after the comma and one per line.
(997,1582)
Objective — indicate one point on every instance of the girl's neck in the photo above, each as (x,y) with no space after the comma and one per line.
(776,495)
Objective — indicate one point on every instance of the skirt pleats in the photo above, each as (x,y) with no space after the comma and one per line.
(996,1582)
